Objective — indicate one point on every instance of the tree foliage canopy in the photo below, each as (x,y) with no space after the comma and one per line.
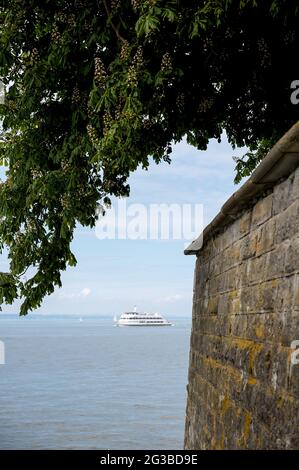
(96,88)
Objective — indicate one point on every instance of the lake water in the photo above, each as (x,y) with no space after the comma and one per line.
(89,385)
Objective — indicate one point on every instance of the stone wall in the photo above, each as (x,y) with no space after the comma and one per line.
(243,390)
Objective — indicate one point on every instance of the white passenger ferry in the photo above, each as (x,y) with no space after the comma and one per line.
(141,319)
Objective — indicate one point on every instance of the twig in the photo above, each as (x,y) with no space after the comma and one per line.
(115,28)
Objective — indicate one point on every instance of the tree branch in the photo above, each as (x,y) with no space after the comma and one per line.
(115,28)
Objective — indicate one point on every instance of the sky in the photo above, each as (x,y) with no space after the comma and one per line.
(114,275)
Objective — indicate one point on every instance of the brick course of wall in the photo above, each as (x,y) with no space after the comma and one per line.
(243,390)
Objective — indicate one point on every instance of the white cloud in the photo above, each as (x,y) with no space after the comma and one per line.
(72,295)
(172,298)
(85,292)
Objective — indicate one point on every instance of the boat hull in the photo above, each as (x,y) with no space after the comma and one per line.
(141,319)
(143,324)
